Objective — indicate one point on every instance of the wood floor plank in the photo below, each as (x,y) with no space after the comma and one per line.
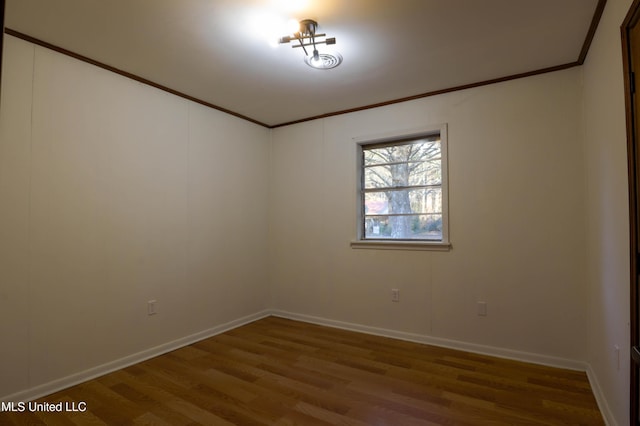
(277,371)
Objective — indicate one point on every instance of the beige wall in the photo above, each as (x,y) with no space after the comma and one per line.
(607,213)
(516,176)
(114,193)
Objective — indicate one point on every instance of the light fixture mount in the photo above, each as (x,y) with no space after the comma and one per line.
(307,36)
(324,61)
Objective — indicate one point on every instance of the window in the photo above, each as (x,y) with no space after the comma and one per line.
(403,191)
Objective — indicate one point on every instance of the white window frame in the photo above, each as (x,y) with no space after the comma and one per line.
(399,136)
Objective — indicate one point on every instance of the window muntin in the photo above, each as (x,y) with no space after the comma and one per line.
(402,190)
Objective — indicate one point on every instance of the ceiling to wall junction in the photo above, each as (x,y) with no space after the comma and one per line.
(216,51)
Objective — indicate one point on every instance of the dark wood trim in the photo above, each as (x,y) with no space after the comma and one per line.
(632,170)
(592,31)
(2,5)
(583,54)
(126,74)
(434,93)
(595,21)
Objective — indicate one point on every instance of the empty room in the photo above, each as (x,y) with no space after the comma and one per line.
(358,212)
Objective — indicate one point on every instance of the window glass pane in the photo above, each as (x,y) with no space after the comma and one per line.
(403,174)
(376,203)
(426,200)
(425,173)
(403,189)
(411,227)
(420,150)
(405,201)
(378,177)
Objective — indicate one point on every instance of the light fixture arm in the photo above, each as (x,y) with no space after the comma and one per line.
(307,37)
(327,42)
(303,45)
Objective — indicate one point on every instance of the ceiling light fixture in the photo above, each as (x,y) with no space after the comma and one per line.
(307,37)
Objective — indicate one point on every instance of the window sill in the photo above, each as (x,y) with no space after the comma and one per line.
(400,245)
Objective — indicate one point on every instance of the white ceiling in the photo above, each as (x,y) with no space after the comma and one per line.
(211,49)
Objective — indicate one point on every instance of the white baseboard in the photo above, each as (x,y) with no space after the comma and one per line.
(92,373)
(534,358)
(607,415)
(77,378)
(438,341)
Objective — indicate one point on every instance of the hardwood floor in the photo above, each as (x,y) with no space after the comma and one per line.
(281,372)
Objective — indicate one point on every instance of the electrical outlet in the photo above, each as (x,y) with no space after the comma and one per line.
(152,309)
(482,309)
(395,295)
